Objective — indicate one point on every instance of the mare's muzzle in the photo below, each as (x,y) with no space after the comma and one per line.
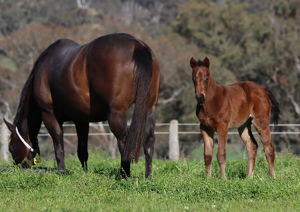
(200,99)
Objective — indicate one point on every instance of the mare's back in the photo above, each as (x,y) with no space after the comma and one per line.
(56,56)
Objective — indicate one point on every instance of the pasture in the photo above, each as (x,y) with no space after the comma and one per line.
(175,186)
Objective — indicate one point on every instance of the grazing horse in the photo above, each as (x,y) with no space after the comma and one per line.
(93,82)
(239,105)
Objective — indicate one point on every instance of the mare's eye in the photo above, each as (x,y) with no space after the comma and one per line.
(206,79)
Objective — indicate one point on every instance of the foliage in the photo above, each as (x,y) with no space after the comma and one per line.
(16,14)
(245,40)
(176,186)
(258,46)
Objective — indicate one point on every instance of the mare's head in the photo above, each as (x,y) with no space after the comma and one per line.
(20,153)
(201,77)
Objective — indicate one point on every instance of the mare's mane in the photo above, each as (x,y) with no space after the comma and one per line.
(25,99)
(24,104)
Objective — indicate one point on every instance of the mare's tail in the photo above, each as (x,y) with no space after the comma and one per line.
(274,107)
(143,75)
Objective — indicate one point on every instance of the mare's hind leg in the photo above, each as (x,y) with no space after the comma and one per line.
(82,130)
(55,130)
(118,125)
(251,145)
(149,144)
(263,128)
(207,134)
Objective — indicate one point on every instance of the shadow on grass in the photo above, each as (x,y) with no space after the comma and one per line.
(35,169)
(5,168)
(108,172)
(52,170)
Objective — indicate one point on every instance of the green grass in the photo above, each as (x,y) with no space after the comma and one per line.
(176,186)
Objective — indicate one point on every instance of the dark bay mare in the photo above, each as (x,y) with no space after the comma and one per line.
(239,105)
(89,83)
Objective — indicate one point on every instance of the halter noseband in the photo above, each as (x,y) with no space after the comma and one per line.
(23,141)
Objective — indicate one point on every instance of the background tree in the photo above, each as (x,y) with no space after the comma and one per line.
(244,39)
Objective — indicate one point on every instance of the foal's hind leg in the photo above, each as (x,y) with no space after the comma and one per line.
(264,131)
(149,143)
(82,130)
(251,146)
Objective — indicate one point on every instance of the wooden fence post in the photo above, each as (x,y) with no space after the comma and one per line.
(113,146)
(173,141)
(4,141)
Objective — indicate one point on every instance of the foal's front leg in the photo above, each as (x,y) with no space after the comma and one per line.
(221,154)
(207,134)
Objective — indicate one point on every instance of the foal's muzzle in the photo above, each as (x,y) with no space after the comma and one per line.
(200,99)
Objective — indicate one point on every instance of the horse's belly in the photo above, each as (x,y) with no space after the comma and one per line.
(239,118)
(76,114)
(98,112)
(80,109)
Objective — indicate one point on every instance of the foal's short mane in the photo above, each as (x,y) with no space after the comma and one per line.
(200,63)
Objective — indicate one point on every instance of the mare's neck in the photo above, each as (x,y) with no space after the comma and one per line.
(21,121)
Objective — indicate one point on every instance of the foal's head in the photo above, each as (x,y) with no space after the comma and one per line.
(201,76)
(20,153)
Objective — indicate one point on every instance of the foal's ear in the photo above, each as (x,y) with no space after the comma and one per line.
(9,125)
(193,62)
(206,62)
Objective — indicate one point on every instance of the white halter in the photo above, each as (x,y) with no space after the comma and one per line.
(23,141)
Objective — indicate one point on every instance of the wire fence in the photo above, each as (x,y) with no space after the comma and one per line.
(158,132)
(165,134)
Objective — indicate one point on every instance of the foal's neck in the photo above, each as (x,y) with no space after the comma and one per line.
(212,87)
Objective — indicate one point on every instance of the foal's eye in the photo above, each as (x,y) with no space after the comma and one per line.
(206,79)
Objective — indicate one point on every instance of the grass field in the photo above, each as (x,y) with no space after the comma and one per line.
(176,186)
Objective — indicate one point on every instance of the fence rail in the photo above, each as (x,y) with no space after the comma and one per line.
(173,132)
(45,134)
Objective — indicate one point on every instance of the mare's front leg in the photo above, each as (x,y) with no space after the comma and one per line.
(55,130)
(208,138)
(35,120)
(149,144)
(118,125)
(222,141)
(82,129)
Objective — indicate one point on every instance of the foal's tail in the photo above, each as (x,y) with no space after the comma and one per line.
(274,107)
(143,75)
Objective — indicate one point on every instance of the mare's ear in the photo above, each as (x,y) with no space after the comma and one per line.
(9,125)
(193,62)
(206,62)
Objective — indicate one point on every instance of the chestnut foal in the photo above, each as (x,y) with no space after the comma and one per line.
(239,105)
